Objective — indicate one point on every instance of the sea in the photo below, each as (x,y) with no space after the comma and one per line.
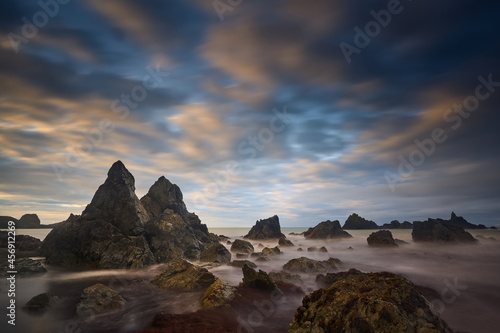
(465,278)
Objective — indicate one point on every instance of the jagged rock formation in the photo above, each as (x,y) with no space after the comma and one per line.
(183,275)
(216,253)
(459,221)
(117,230)
(217,294)
(373,302)
(266,229)
(381,238)
(355,222)
(397,225)
(441,231)
(326,230)
(259,280)
(27,221)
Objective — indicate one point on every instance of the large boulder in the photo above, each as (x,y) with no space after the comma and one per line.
(98,299)
(441,231)
(116,230)
(381,238)
(355,222)
(183,275)
(266,229)
(217,294)
(373,302)
(307,265)
(326,230)
(242,246)
(216,253)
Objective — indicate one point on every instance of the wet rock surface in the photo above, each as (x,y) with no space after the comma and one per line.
(307,265)
(98,299)
(183,275)
(266,229)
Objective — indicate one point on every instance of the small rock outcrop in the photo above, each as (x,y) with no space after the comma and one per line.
(183,275)
(218,294)
(356,222)
(25,267)
(373,302)
(23,242)
(381,238)
(441,231)
(307,265)
(216,253)
(27,221)
(41,303)
(259,280)
(242,246)
(284,242)
(266,229)
(98,299)
(241,263)
(326,230)
(271,251)
(397,225)
(459,221)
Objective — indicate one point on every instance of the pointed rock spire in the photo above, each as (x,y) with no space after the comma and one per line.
(164,195)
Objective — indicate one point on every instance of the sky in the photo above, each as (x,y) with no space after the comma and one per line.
(310,110)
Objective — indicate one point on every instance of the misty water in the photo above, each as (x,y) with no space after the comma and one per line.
(466,280)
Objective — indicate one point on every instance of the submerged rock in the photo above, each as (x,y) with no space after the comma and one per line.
(441,231)
(218,294)
(266,229)
(326,230)
(216,253)
(41,303)
(242,246)
(306,265)
(284,242)
(183,275)
(323,249)
(241,263)
(381,238)
(98,299)
(355,222)
(373,302)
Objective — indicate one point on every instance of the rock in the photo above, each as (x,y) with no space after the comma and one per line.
(323,249)
(381,238)
(183,275)
(98,299)
(266,229)
(241,263)
(356,222)
(286,277)
(493,227)
(326,230)
(229,242)
(23,242)
(306,265)
(350,248)
(400,242)
(263,257)
(215,320)
(442,231)
(284,242)
(4,221)
(216,253)
(259,280)
(40,303)
(486,239)
(242,246)
(396,225)
(373,302)
(459,221)
(312,249)
(272,251)
(25,267)
(222,237)
(260,245)
(28,221)
(300,249)
(241,255)
(172,231)
(117,230)
(218,294)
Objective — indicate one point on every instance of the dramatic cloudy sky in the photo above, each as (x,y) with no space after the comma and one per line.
(77,94)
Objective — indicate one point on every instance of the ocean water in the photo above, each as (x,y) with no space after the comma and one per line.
(466,279)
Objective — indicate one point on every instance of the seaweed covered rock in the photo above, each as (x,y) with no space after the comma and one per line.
(98,299)
(183,275)
(307,265)
(266,229)
(217,294)
(372,302)
(326,230)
